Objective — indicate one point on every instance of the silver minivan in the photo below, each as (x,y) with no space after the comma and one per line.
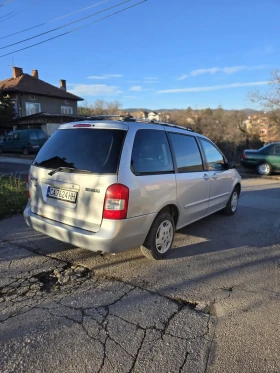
(108,186)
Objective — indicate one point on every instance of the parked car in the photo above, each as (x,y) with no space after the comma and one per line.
(109,186)
(265,160)
(23,141)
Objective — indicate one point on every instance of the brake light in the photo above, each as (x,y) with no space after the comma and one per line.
(244,156)
(82,125)
(27,186)
(116,202)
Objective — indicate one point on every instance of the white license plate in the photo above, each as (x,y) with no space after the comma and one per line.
(62,194)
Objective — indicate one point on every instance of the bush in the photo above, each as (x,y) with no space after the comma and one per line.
(13,196)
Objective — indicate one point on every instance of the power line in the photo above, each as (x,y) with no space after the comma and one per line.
(52,20)
(13,13)
(6,15)
(67,24)
(73,30)
(7,2)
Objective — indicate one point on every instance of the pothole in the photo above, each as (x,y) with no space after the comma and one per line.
(45,282)
(62,276)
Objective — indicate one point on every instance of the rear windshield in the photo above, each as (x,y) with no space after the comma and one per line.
(95,150)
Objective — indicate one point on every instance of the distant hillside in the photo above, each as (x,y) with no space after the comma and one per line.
(247,111)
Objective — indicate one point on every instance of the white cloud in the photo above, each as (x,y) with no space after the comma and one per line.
(94,90)
(214,70)
(136,88)
(130,97)
(133,81)
(105,76)
(213,87)
(150,78)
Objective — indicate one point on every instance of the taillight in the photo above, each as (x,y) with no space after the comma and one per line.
(244,156)
(116,202)
(27,186)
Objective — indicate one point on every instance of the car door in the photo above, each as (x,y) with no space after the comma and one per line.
(273,157)
(193,182)
(277,157)
(221,178)
(8,144)
(16,142)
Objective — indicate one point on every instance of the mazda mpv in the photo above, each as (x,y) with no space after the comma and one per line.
(108,186)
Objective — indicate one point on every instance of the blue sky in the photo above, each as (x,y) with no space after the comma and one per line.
(160,54)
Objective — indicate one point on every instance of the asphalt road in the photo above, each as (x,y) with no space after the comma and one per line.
(13,165)
(212,306)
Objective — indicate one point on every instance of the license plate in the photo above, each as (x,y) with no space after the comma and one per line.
(62,194)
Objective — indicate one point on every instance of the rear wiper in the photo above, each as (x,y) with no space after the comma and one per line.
(68,169)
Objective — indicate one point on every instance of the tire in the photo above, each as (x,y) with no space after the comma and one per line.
(264,169)
(232,204)
(25,151)
(160,237)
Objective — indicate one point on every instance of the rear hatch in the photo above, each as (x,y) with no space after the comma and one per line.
(71,173)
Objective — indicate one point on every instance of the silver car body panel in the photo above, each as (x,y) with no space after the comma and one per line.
(194,194)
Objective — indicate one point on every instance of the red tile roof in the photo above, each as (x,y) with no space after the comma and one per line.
(26,83)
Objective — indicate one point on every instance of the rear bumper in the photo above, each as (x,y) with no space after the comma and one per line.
(112,237)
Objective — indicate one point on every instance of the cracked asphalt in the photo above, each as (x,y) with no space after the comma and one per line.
(212,306)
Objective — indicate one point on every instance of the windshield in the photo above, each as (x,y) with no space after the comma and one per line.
(95,150)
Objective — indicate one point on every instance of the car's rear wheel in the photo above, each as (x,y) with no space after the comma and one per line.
(232,204)
(25,151)
(160,237)
(264,168)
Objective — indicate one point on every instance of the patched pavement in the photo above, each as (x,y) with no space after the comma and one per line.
(212,306)
(61,318)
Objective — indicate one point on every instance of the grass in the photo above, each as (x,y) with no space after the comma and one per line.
(13,197)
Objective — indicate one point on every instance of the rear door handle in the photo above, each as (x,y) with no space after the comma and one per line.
(206,177)
(215,176)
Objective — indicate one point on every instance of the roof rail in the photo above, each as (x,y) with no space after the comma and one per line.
(129,118)
(164,124)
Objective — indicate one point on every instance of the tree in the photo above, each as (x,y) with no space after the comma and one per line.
(6,108)
(100,107)
(270,102)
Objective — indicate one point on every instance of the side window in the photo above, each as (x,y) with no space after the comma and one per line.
(151,153)
(41,135)
(187,154)
(214,158)
(16,136)
(33,136)
(277,150)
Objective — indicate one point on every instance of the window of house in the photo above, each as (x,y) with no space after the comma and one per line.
(214,158)
(32,108)
(151,153)
(187,154)
(66,110)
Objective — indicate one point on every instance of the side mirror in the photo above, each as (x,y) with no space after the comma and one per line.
(231,165)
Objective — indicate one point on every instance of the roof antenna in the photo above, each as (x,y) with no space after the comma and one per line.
(12,65)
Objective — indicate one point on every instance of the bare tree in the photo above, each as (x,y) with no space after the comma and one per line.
(270,102)
(100,107)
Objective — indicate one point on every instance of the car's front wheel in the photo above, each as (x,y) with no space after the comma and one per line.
(232,204)
(264,168)
(25,151)
(160,237)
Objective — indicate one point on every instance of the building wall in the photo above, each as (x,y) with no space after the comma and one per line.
(50,105)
